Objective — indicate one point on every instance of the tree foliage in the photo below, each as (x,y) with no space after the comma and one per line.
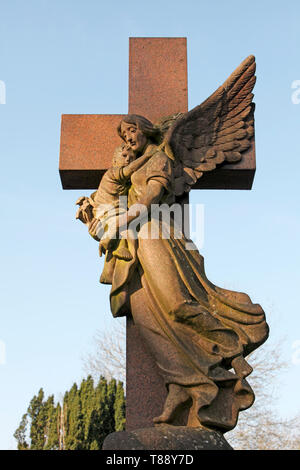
(87,414)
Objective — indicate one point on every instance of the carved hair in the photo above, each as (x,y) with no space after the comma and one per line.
(117,154)
(143,124)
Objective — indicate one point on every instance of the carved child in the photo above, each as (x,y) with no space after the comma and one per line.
(100,210)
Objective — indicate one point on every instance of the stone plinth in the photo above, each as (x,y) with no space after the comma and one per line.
(165,437)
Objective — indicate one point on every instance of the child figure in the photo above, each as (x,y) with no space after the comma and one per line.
(104,204)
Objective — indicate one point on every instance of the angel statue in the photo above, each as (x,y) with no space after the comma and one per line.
(199,334)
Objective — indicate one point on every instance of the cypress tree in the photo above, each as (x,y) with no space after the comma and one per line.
(36,412)
(95,445)
(74,439)
(111,397)
(59,426)
(87,396)
(65,415)
(84,419)
(99,416)
(20,433)
(52,436)
(119,408)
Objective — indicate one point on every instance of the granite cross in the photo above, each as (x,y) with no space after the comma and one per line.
(157,88)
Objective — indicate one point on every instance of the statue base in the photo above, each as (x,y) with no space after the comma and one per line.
(166,437)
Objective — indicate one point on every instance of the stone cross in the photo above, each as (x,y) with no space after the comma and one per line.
(157,88)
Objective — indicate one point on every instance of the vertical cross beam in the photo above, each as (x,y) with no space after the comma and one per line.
(157,77)
(157,87)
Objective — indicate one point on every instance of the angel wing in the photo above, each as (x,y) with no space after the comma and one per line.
(218,130)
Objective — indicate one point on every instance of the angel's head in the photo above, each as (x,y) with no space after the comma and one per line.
(137,132)
(123,155)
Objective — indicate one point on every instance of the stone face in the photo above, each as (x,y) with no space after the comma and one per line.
(166,437)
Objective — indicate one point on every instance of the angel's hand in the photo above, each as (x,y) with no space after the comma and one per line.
(108,239)
(104,245)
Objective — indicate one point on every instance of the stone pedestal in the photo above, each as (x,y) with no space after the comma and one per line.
(165,437)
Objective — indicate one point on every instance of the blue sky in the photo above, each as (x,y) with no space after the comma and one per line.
(63,56)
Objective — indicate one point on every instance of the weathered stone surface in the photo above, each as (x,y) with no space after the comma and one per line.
(87,144)
(166,437)
(181,316)
(88,141)
(145,388)
(198,334)
(157,77)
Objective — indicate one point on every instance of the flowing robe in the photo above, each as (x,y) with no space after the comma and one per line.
(197,332)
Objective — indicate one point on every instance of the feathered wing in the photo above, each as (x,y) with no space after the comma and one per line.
(218,130)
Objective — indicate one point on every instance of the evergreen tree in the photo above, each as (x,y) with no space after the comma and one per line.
(111,397)
(51,431)
(119,408)
(36,412)
(60,428)
(65,415)
(20,433)
(95,446)
(74,439)
(87,396)
(86,416)
(99,420)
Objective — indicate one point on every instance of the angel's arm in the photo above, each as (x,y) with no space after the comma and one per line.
(95,229)
(135,165)
(152,195)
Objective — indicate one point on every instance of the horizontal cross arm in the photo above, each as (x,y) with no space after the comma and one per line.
(89,140)
(86,148)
